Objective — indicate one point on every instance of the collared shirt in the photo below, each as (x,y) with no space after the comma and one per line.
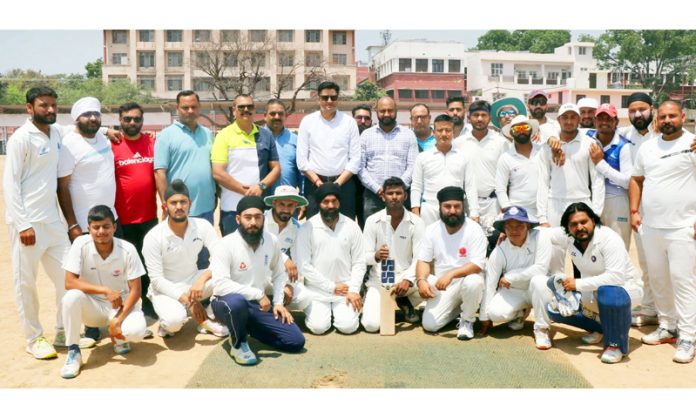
(435,170)
(287,237)
(484,155)
(328,147)
(386,154)
(548,129)
(246,157)
(576,180)
(451,251)
(114,272)
(631,133)
(185,154)
(326,257)
(286,144)
(172,260)
(616,182)
(517,179)
(517,264)
(404,246)
(238,269)
(31,176)
(669,189)
(90,164)
(426,144)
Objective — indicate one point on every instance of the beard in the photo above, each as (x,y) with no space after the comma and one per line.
(538,113)
(641,122)
(458,120)
(49,119)
(89,128)
(668,129)
(329,215)
(132,131)
(387,121)
(584,238)
(284,217)
(179,219)
(522,138)
(587,124)
(453,220)
(251,237)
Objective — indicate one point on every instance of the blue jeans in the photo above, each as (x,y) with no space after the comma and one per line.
(228,222)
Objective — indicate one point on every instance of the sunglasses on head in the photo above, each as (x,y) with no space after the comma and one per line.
(510,112)
(129,119)
(326,98)
(519,129)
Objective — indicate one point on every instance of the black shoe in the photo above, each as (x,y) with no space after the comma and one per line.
(406,307)
(92,333)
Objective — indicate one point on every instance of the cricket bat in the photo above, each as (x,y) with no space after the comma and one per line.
(387,320)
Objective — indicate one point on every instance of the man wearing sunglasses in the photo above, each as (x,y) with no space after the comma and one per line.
(363,117)
(537,103)
(136,191)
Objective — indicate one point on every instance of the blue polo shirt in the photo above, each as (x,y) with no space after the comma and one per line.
(286,144)
(185,154)
(427,144)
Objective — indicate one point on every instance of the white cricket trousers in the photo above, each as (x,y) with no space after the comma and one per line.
(172,314)
(371,307)
(80,308)
(615,215)
(506,304)
(647,306)
(323,307)
(461,298)
(50,249)
(671,259)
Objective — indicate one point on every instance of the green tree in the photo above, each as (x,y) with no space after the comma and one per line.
(94,69)
(368,92)
(497,40)
(658,59)
(539,41)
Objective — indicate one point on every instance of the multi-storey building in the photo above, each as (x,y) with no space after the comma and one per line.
(168,61)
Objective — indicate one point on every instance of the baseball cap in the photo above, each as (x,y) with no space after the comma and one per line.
(286,192)
(607,108)
(568,107)
(536,93)
(587,102)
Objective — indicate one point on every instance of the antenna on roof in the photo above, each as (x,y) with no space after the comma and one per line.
(386,36)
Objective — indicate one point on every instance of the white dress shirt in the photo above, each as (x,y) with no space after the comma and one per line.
(484,155)
(517,179)
(328,147)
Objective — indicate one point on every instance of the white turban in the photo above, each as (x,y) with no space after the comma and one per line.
(85,104)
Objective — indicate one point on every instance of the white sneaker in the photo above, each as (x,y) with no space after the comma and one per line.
(148,334)
(121,347)
(518,323)
(242,355)
(660,336)
(212,327)
(41,349)
(85,342)
(163,333)
(612,355)
(542,340)
(592,338)
(640,319)
(685,352)
(72,365)
(465,331)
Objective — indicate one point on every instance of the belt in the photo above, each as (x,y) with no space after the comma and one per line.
(327,179)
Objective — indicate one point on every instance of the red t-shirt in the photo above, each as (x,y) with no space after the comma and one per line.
(136,191)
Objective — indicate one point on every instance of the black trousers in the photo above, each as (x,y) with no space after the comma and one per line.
(347,197)
(135,234)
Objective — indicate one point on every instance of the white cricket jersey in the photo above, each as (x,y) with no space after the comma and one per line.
(548,129)
(616,182)
(517,179)
(605,262)
(404,246)
(171,260)
(287,237)
(484,155)
(669,190)
(631,133)
(30,179)
(576,180)
(114,272)
(328,147)
(90,165)
(517,264)
(435,171)
(451,251)
(326,257)
(238,269)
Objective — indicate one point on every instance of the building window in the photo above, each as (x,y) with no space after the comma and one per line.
(257,35)
(421,65)
(582,50)
(146,83)
(174,35)
(201,58)
(286,58)
(146,59)
(119,36)
(229,35)
(231,59)
(580,97)
(175,83)
(115,78)
(339,38)
(604,99)
(312,82)
(437,94)
(405,65)
(340,59)
(146,35)
(624,101)
(496,68)
(455,66)
(286,35)
(421,94)
(438,66)
(175,59)
(313,59)
(343,81)
(405,93)
(119,58)
(313,35)
(286,82)
(258,59)
(201,36)
(552,75)
(453,93)
(202,84)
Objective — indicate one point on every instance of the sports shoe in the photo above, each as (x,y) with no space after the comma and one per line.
(518,323)
(542,340)
(465,331)
(72,365)
(41,349)
(85,342)
(612,354)
(242,355)
(640,319)
(163,333)
(148,334)
(660,336)
(592,338)
(685,352)
(121,347)
(407,308)
(212,327)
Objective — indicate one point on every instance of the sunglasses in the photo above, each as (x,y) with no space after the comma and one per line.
(363,118)
(129,119)
(90,114)
(245,107)
(504,113)
(519,129)
(537,102)
(326,98)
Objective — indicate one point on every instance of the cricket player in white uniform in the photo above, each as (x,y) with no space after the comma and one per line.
(609,284)
(392,234)
(331,257)
(171,250)
(439,167)
(516,275)
(456,246)
(537,103)
(663,205)
(102,279)
(36,231)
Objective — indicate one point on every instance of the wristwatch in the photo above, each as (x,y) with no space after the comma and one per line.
(263,186)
